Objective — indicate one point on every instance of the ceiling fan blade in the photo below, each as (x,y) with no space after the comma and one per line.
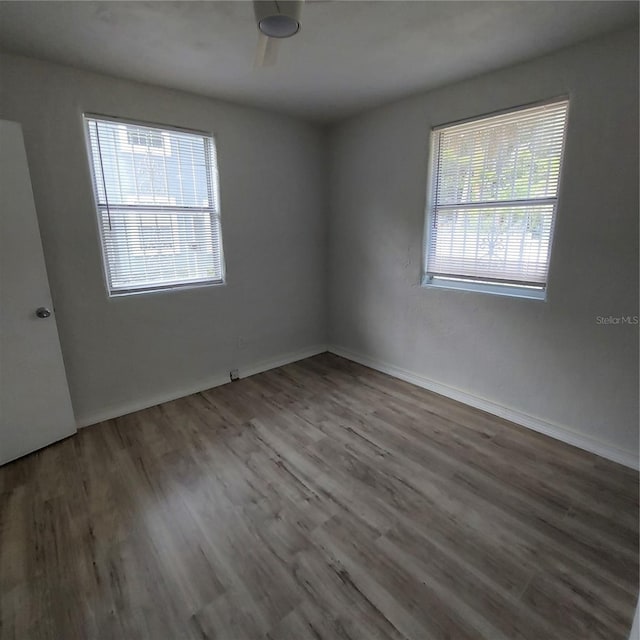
(271,54)
(261,50)
(266,52)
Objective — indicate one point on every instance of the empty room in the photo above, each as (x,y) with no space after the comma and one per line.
(319,320)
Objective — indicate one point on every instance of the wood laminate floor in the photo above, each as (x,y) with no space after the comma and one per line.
(316,501)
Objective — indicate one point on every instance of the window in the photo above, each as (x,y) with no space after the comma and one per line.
(156,195)
(493,197)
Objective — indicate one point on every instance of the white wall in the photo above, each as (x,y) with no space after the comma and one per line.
(547,360)
(122,353)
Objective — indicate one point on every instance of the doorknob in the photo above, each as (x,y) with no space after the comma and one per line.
(43,312)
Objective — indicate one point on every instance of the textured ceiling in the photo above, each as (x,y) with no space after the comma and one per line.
(347,57)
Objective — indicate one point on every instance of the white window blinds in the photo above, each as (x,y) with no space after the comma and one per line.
(494,193)
(157,201)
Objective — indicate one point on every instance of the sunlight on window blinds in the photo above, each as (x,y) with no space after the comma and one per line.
(157,201)
(495,193)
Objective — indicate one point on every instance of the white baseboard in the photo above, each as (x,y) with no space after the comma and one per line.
(565,434)
(210,382)
(287,358)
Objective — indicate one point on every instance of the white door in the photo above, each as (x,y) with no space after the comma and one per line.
(35,408)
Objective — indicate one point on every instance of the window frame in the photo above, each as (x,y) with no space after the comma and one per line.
(215,184)
(463,283)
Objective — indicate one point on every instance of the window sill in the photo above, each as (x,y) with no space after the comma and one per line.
(513,291)
(187,286)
